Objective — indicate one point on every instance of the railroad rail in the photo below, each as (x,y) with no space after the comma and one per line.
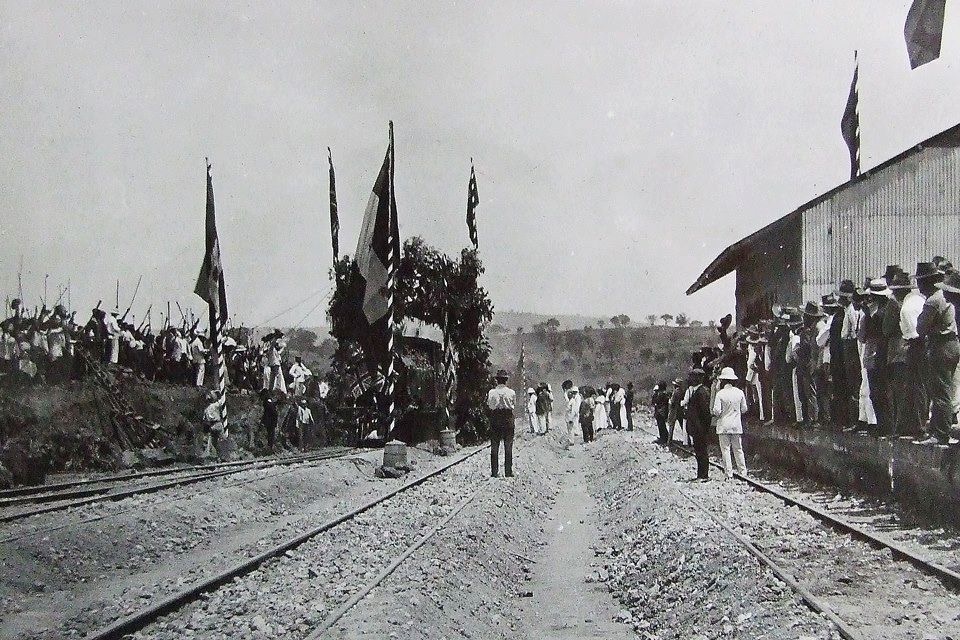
(143,617)
(808,598)
(91,496)
(8,494)
(947,576)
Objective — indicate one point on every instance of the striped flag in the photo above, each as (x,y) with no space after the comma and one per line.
(850,123)
(378,258)
(473,199)
(211,287)
(923,31)
(334,217)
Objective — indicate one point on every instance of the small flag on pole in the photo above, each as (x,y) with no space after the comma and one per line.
(521,373)
(334,217)
(378,258)
(473,199)
(850,122)
(923,31)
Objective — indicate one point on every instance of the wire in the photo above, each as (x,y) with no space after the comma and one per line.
(290,308)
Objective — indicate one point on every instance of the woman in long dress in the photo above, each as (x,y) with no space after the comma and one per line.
(599,414)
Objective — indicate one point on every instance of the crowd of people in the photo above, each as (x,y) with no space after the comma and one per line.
(50,346)
(611,408)
(880,359)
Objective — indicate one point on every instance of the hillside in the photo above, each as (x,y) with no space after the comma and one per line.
(642,355)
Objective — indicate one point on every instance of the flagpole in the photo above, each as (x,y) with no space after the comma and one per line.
(389,386)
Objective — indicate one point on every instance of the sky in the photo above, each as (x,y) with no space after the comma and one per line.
(619,146)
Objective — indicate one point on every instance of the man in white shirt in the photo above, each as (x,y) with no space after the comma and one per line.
(501,401)
(112,326)
(853,375)
(299,374)
(198,355)
(573,410)
(916,407)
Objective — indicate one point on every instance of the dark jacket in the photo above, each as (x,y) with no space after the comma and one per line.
(698,413)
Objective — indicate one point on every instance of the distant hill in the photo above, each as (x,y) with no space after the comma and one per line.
(512,320)
(642,355)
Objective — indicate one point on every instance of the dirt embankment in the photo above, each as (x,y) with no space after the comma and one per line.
(47,429)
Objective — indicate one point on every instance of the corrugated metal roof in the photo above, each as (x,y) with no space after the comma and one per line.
(728,260)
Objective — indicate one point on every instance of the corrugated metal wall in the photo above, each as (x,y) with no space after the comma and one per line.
(903,214)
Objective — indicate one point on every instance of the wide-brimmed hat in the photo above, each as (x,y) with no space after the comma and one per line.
(830,301)
(927,270)
(727,374)
(878,287)
(531,390)
(951,283)
(812,309)
(502,374)
(891,271)
(900,281)
(847,288)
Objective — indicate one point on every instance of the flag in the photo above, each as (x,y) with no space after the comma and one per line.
(378,258)
(210,287)
(473,199)
(521,374)
(334,218)
(923,31)
(210,284)
(850,123)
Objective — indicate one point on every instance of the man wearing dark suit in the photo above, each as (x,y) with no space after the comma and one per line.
(698,422)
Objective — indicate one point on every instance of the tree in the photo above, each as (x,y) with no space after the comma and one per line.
(712,324)
(652,319)
(600,323)
(682,320)
(552,324)
(588,328)
(666,318)
(301,340)
(624,320)
(615,321)
(696,323)
(497,329)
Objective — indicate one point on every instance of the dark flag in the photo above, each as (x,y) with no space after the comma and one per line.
(923,31)
(334,218)
(210,284)
(378,258)
(850,123)
(473,199)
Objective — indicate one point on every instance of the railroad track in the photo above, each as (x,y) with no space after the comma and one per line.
(140,619)
(8,496)
(119,489)
(876,539)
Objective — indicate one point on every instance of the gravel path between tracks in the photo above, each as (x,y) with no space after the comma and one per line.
(675,572)
(472,579)
(62,583)
(880,598)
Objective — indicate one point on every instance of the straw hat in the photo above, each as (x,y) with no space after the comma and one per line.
(727,374)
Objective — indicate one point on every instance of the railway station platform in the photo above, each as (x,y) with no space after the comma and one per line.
(923,478)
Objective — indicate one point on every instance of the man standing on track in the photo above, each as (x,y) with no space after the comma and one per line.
(501,401)
(698,422)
